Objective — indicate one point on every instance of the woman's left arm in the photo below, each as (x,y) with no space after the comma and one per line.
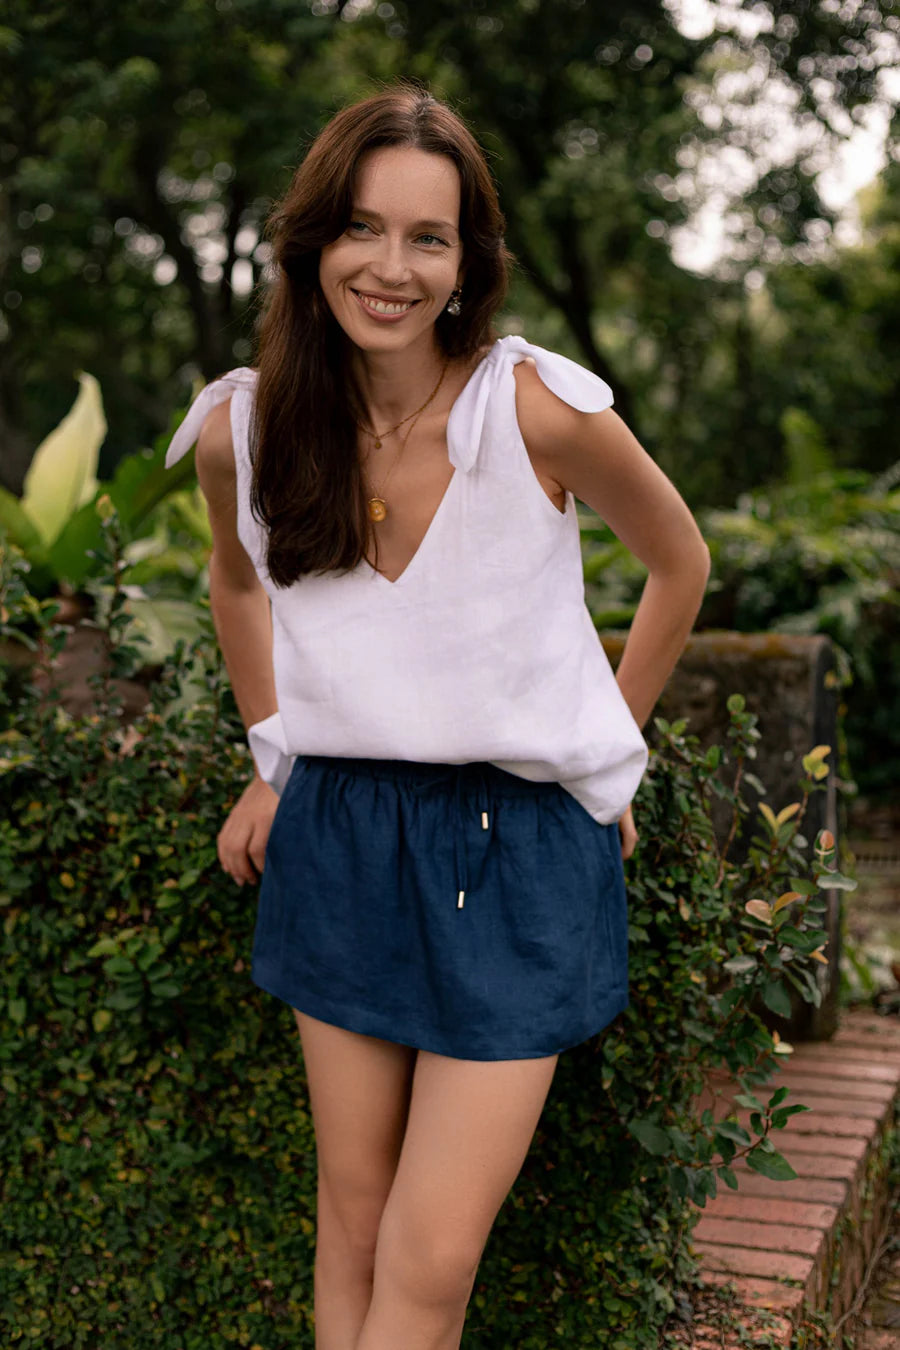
(595,456)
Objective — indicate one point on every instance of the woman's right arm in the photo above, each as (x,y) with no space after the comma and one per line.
(243,622)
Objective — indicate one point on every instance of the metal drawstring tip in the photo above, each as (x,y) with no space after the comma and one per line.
(461,897)
(484,820)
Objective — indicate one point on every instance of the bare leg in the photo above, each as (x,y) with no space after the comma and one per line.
(359,1089)
(470,1126)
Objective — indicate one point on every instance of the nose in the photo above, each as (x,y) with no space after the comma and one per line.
(390,265)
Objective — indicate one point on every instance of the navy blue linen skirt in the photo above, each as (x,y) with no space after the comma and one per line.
(456,908)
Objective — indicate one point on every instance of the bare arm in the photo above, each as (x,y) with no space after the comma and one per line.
(242,617)
(595,456)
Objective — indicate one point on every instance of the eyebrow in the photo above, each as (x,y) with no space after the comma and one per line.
(417,224)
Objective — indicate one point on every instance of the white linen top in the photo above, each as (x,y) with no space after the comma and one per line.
(483,648)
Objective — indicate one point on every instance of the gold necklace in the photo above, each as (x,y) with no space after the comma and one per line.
(378,437)
(377,506)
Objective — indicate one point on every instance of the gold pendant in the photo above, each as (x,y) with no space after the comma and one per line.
(377,443)
(377,508)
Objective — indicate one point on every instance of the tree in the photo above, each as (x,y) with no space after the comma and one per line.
(142,147)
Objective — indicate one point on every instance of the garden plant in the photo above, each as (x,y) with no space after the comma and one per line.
(159,1186)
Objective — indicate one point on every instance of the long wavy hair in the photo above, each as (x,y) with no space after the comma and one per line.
(307,485)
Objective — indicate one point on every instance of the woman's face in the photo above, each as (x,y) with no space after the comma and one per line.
(392,271)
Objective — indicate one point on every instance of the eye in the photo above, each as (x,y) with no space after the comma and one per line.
(357,227)
(432,239)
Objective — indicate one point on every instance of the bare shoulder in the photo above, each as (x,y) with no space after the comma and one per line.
(544,419)
(215,453)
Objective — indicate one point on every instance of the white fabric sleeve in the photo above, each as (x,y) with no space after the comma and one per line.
(216,392)
(270,753)
(266,738)
(580,388)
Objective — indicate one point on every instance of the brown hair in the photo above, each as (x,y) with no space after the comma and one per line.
(307,485)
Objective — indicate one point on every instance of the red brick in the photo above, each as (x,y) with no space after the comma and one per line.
(826,1165)
(768,1232)
(844,1066)
(787,1298)
(846,1105)
(803,1084)
(863,1050)
(771,1210)
(853,1023)
(866,1017)
(842,1146)
(767,1237)
(824,1123)
(803,1188)
(748,1261)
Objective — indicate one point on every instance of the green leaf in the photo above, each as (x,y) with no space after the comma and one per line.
(63,473)
(780,1116)
(732,1130)
(776,998)
(736,703)
(738,965)
(165,989)
(105,946)
(142,481)
(118,965)
(771,1165)
(747,1099)
(778,1096)
(169,899)
(122,1000)
(728,1177)
(19,528)
(654,1139)
(69,554)
(836,881)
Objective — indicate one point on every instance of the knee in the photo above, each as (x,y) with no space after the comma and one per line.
(348,1226)
(432,1268)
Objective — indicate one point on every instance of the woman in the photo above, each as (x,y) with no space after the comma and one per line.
(397,588)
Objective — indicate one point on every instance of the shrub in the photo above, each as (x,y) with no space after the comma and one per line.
(159,1186)
(818,556)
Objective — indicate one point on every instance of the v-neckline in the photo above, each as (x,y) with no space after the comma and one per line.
(422,542)
(379,576)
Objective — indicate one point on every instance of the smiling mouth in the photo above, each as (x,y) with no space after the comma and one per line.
(377,306)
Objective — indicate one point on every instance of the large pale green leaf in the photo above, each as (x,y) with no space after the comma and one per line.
(17,525)
(68,555)
(63,473)
(162,622)
(141,481)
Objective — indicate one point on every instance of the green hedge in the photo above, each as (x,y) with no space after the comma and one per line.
(159,1187)
(821,555)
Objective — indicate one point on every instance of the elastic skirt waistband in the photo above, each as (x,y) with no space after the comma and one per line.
(420,773)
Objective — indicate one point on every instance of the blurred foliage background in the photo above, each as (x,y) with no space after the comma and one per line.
(141,147)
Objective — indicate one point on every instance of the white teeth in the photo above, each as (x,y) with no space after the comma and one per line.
(384,306)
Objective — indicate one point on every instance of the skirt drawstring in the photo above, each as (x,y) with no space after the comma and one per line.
(472,805)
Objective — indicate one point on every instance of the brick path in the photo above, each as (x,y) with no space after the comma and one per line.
(783,1243)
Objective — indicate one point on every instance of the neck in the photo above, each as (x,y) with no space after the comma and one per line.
(393,383)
